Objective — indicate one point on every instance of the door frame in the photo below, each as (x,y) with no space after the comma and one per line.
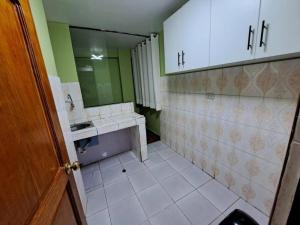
(32,43)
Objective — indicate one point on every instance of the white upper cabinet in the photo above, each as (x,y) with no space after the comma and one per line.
(210,33)
(281,33)
(233,30)
(172,33)
(195,33)
(186,37)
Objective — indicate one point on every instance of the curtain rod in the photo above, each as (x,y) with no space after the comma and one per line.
(109,31)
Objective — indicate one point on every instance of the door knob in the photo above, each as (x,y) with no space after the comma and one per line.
(74,166)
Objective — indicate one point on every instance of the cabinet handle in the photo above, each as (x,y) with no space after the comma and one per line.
(251,31)
(182,58)
(178,58)
(263,28)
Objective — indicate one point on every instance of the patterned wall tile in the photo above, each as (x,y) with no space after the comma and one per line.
(240,136)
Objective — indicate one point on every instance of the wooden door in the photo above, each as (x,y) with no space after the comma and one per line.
(34,187)
(281,34)
(230,22)
(195,32)
(172,43)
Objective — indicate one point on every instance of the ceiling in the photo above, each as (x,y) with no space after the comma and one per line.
(133,16)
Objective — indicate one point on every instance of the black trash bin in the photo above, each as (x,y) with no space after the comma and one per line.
(238,217)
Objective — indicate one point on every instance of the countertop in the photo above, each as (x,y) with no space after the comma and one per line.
(110,124)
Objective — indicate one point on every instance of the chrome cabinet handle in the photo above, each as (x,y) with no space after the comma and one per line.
(263,28)
(178,58)
(251,31)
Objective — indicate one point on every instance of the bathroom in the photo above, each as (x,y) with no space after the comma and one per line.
(174,112)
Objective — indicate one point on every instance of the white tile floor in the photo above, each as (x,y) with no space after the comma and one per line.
(164,190)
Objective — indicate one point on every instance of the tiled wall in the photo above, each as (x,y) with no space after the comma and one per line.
(234,123)
(65,126)
(80,114)
(77,114)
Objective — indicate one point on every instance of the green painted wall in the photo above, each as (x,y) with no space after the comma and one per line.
(126,75)
(63,51)
(152,119)
(39,18)
(161,53)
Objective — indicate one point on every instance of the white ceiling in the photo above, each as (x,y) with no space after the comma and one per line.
(133,16)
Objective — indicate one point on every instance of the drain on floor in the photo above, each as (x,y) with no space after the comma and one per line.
(123,170)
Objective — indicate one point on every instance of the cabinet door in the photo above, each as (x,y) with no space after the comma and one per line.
(172,35)
(230,21)
(282,32)
(195,33)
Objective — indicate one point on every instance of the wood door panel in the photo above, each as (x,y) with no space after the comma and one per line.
(32,147)
(24,131)
(22,112)
(63,215)
(51,201)
(51,109)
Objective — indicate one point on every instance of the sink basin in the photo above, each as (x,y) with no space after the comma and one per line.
(80,126)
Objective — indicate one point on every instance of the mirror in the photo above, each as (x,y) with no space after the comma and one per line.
(100,81)
(103,64)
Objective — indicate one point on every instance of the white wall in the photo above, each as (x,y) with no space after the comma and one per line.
(65,126)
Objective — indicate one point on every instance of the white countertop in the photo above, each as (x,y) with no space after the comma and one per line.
(110,124)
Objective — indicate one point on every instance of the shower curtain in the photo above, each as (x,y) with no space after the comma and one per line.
(146,72)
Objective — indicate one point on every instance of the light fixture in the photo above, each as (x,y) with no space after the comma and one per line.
(86,68)
(97,57)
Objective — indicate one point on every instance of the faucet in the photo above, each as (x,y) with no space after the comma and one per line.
(70,100)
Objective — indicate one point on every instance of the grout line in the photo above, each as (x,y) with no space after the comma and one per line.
(100,211)
(135,194)
(159,182)
(222,213)
(209,180)
(141,205)
(108,210)
(210,201)
(94,188)
(167,177)
(104,196)
(183,212)
(196,189)
(224,165)
(176,173)
(163,209)
(223,119)
(174,202)
(221,183)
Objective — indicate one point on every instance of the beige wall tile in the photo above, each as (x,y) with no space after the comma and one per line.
(240,135)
